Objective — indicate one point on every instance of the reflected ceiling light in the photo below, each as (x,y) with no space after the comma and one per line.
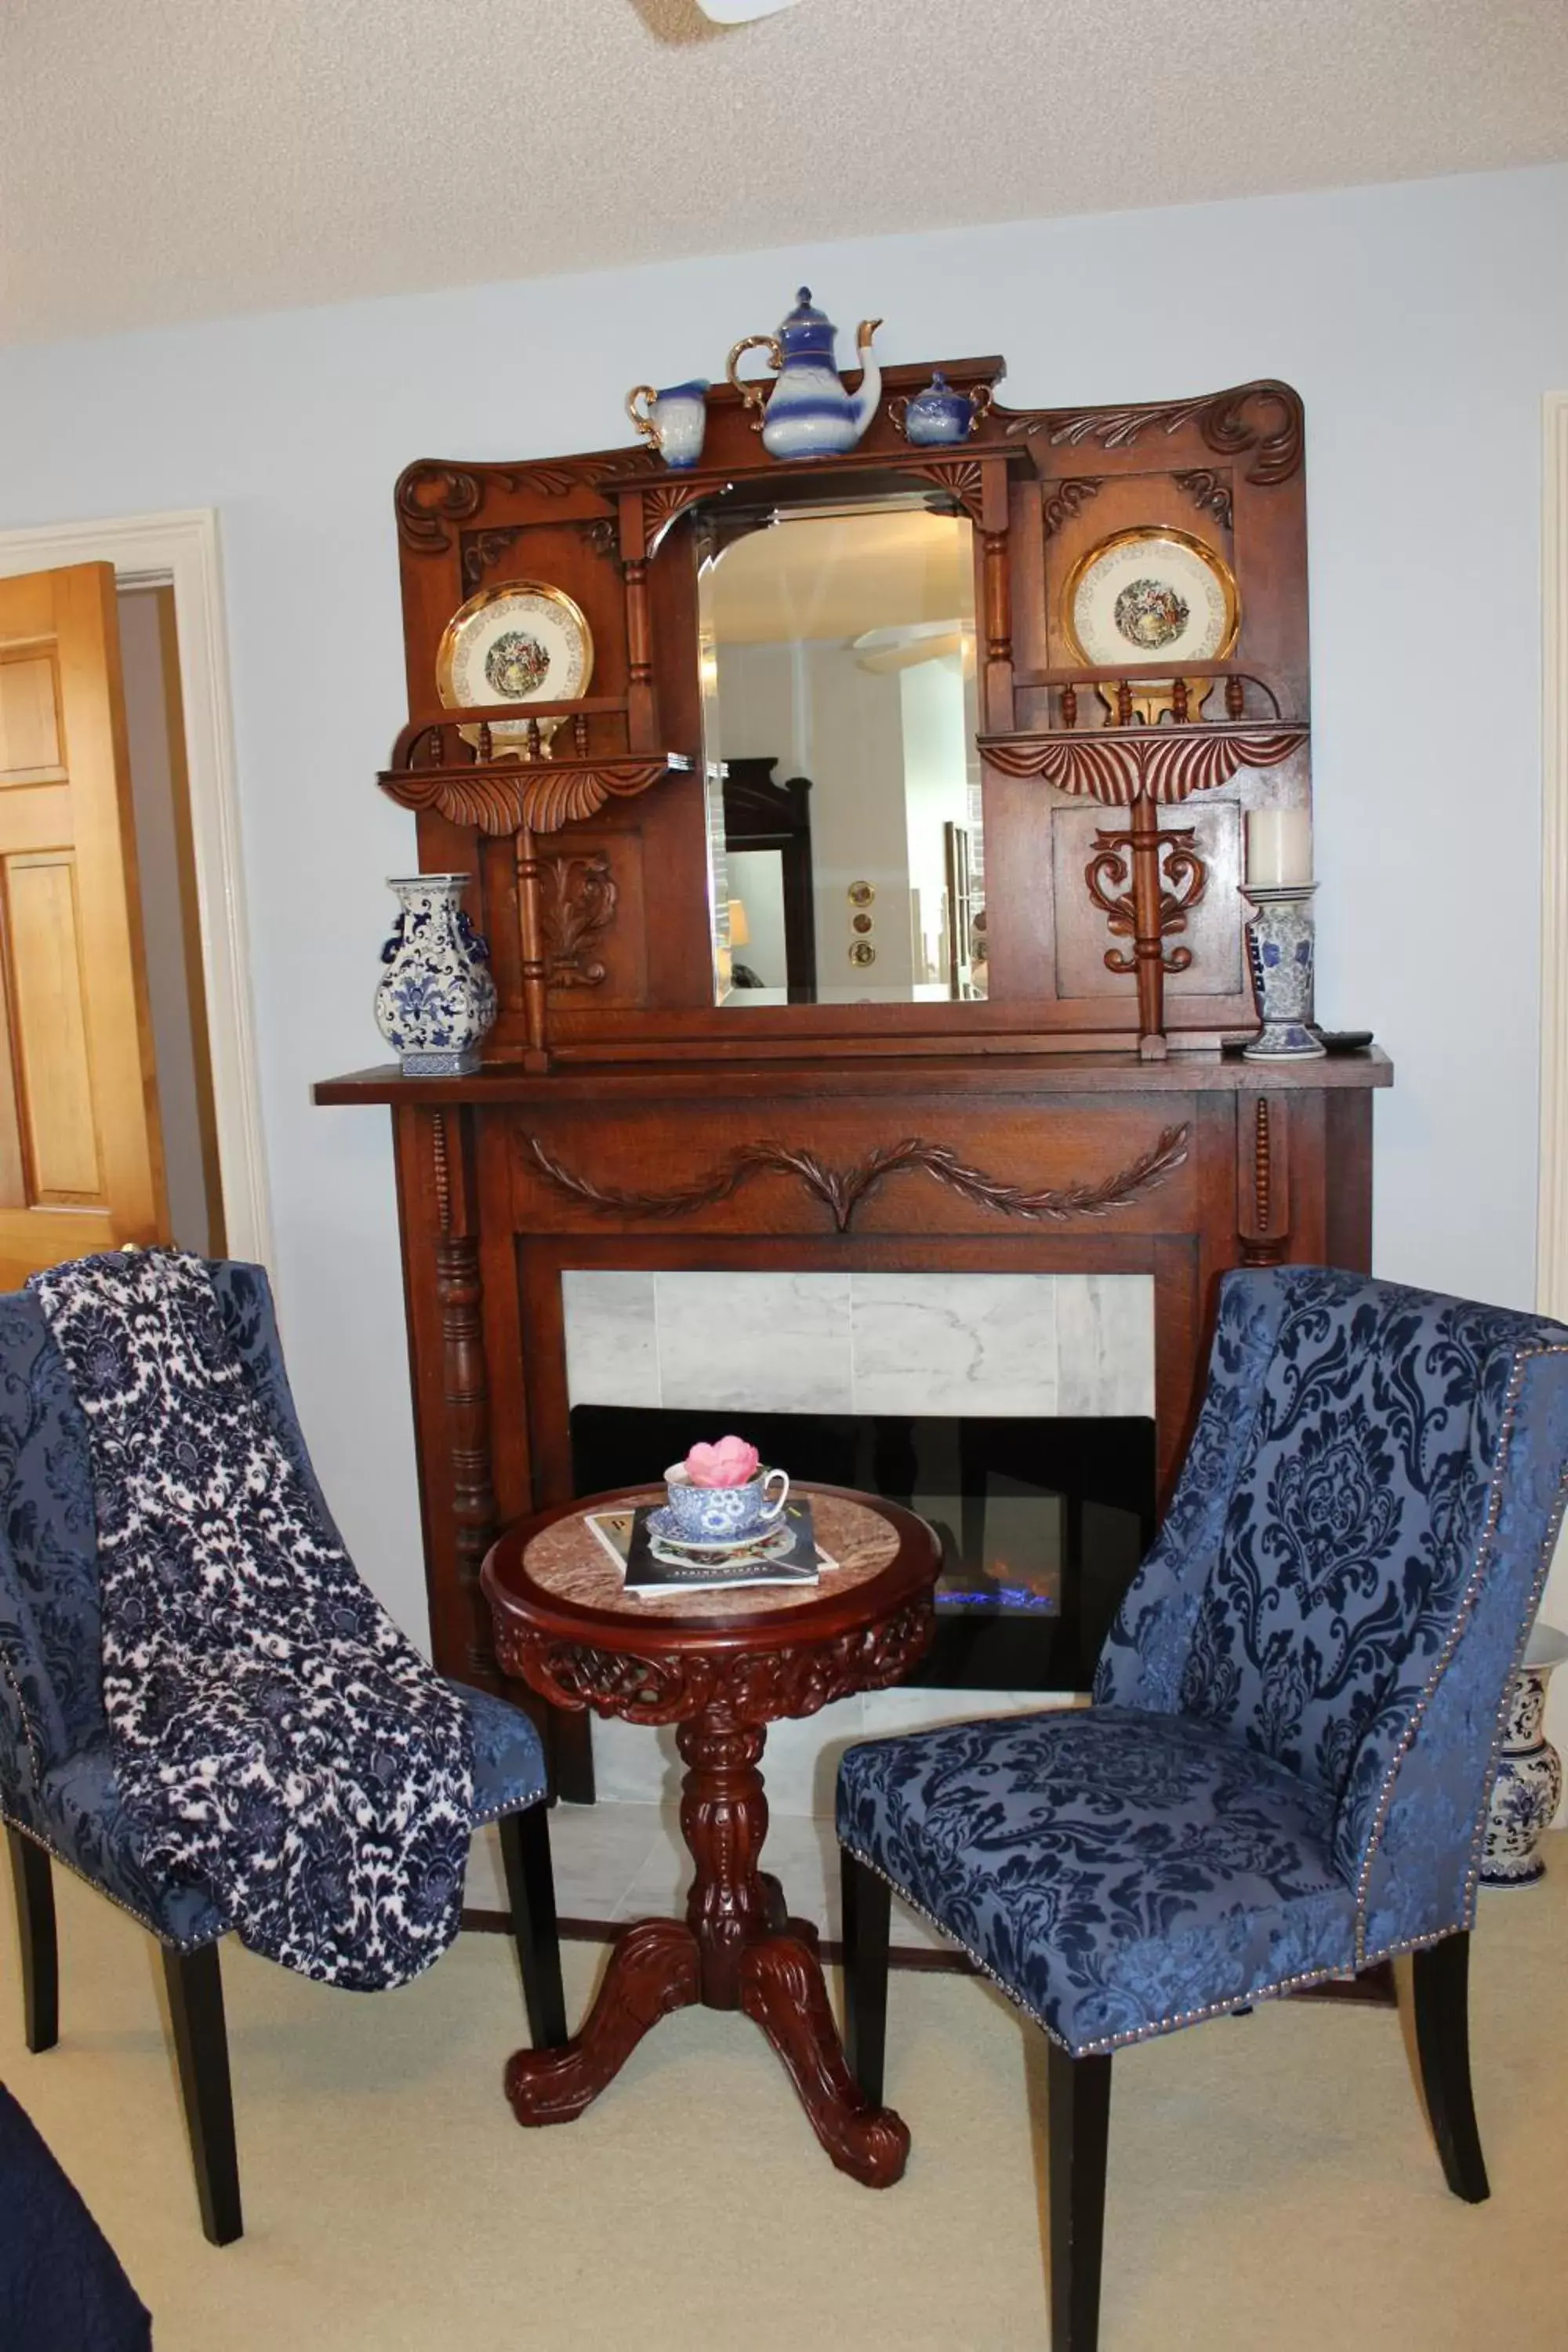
(741,12)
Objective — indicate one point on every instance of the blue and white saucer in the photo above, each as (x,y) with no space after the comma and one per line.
(667,1542)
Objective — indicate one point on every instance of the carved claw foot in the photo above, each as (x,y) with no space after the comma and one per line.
(653,1969)
(781,1990)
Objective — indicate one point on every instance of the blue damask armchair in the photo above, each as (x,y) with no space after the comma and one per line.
(57,1792)
(1284,1775)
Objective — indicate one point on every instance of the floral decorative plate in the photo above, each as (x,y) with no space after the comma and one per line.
(1151,594)
(521,642)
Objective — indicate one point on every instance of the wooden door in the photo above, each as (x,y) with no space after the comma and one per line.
(81,1162)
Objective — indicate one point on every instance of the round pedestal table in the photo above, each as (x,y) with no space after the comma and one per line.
(720,1666)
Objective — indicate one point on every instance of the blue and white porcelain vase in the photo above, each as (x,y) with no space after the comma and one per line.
(808,413)
(1279,948)
(1529,1785)
(437,999)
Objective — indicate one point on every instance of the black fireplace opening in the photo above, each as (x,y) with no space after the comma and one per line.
(1042,1522)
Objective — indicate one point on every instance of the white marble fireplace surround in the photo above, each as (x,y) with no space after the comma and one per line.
(974,1344)
(723,1344)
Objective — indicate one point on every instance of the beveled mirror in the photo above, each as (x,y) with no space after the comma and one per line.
(837,660)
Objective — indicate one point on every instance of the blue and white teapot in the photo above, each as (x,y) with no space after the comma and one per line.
(808,413)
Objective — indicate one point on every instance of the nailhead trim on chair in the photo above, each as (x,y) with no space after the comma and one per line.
(1241,2000)
(1523,1357)
(189,1944)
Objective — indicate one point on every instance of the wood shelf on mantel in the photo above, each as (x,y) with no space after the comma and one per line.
(1023,1074)
(506,796)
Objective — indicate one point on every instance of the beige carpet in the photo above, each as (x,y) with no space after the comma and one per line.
(1272,2183)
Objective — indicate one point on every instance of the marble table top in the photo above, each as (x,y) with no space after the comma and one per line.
(567,1561)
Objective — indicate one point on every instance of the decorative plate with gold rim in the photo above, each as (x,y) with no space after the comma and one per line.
(519,641)
(1151,594)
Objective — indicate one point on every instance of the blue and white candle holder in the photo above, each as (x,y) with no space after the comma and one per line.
(1279,951)
(437,999)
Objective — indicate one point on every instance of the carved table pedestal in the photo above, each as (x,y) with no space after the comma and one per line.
(720,1666)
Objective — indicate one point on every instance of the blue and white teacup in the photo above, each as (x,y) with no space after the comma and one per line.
(673,421)
(723,1514)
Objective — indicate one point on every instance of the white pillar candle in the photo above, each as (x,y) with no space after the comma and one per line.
(1279,847)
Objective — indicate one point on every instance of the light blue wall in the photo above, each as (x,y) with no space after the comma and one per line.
(1421,323)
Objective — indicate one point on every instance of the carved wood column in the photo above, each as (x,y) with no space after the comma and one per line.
(1262,1177)
(535,966)
(464,1386)
(995,541)
(640,727)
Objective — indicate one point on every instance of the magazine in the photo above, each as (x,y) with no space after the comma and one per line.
(624,1536)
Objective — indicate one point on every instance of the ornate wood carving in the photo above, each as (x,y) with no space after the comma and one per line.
(1108,875)
(483,548)
(442,1169)
(964,478)
(1262,418)
(1064,500)
(553,479)
(1115,765)
(663,502)
(753,1686)
(842,1190)
(427,497)
(654,1969)
(782,1990)
(544,794)
(1209,491)
(576,902)
(1263,1181)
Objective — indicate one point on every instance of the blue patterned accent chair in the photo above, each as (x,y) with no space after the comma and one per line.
(1283,1778)
(57,1792)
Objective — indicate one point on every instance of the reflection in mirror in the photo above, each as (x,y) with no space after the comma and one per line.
(839,726)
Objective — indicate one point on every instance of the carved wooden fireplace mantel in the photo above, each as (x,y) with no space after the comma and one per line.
(1064,1163)
(1066,1109)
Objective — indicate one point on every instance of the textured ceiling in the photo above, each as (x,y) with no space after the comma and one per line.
(180,158)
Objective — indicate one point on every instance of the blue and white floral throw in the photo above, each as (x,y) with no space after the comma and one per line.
(276,1740)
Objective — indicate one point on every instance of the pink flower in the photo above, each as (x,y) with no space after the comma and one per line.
(731,1463)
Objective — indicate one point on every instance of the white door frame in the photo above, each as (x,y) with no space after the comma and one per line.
(181,550)
(1552,1225)
(1552,1256)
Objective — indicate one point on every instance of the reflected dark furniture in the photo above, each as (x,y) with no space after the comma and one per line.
(58,1796)
(760,813)
(720,1666)
(1284,1778)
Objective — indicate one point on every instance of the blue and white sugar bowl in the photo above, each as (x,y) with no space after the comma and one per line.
(940,415)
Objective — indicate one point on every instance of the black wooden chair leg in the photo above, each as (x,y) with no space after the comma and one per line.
(1078,2101)
(868,1903)
(201,2045)
(33,1882)
(530,1889)
(1441,1976)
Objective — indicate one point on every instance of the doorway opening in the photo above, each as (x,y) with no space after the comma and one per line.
(170,922)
